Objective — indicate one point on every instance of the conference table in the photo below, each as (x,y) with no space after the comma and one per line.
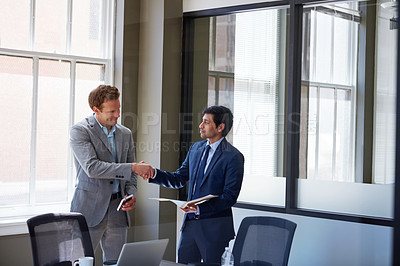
(165,263)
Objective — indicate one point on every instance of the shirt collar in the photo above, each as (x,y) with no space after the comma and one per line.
(215,145)
(105,130)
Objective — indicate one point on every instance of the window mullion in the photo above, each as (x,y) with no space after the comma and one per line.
(69,27)
(334,135)
(71,122)
(32,25)
(32,176)
(317,131)
(217,89)
(104,32)
(109,32)
(314,50)
(332,48)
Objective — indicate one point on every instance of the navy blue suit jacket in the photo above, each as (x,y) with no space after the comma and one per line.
(223,177)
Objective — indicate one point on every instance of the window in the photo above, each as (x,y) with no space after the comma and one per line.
(329,78)
(51,55)
(320,141)
(243,68)
(349,103)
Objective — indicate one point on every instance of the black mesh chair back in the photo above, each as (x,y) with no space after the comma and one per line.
(263,241)
(59,239)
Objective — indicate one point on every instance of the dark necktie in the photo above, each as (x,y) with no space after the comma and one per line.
(199,178)
(200,173)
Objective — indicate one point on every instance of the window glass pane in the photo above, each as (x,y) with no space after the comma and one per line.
(343,33)
(385,97)
(87,28)
(224,43)
(312,136)
(322,50)
(350,109)
(15,139)
(52,131)
(257,83)
(51,27)
(43,99)
(15,24)
(344,157)
(325,133)
(211,91)
(225,94)
(246,51)
(88,77)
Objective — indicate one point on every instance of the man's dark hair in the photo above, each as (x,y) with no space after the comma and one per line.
(101,94)
(221,115)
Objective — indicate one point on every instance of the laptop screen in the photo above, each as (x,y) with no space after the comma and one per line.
(147,253)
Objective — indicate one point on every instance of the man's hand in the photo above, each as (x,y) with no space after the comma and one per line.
(188,208)
(143,169)
(129,205)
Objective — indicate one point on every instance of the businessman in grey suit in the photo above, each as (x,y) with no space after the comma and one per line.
(212,166)
(106,171)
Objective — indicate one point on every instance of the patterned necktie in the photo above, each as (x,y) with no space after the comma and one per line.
(200,173)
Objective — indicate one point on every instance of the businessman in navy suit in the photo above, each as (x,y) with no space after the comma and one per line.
(212,166)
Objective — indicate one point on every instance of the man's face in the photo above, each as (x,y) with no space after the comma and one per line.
(109,113)
(208,129)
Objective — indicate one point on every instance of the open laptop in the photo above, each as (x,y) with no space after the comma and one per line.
(145,253)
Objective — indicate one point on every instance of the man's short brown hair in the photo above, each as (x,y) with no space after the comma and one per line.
(101,94)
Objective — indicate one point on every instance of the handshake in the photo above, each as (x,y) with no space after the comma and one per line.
(143,169)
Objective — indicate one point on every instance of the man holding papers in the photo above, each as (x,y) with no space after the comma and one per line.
(212,167)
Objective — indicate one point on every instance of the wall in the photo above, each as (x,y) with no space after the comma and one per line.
(331,243)
(155,93)
(328,242)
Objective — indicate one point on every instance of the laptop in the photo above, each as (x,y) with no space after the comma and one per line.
(145,253)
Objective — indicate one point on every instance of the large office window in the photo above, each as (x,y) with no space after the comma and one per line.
(51,55)
(342,118)
(243,62)
(348,136)
(330,75)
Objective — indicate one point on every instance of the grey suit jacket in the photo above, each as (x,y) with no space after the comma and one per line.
(96,168)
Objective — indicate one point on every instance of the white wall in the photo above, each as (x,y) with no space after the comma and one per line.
(149,112)
(332,243)
(324,242)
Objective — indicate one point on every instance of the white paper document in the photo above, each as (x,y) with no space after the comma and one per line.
(181,203)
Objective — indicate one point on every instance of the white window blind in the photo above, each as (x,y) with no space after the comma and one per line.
(255,94)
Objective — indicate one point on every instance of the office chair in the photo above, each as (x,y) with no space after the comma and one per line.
(59,239)
(263,241)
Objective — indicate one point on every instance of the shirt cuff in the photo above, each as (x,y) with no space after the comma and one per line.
(155,173)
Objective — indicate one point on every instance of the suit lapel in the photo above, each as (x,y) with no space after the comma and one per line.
(99,132)
(118,142)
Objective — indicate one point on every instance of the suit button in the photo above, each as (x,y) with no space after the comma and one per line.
(111,182)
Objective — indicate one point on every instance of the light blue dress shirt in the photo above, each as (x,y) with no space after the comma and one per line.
(111,140)
(213,148)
